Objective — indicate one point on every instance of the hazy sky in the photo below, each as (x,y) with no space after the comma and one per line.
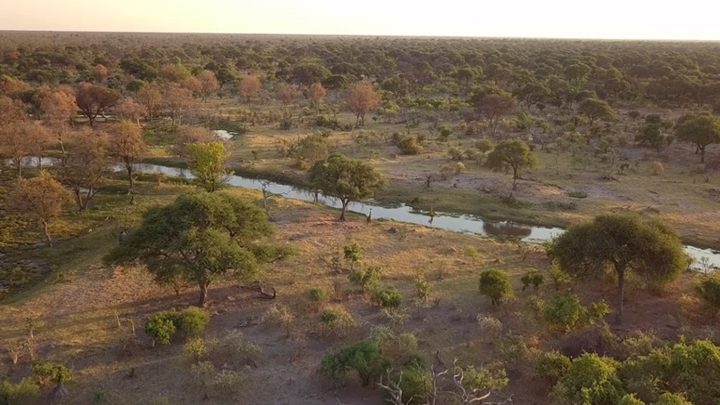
(617,19)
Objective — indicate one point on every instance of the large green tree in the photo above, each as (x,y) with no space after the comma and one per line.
(515,154)
(345,178)
(699,129)
(207,163)
(621,244)
(198,238)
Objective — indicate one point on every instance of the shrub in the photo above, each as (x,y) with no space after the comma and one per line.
(337,321)
(559,278)
(236,350)
(387,296)
(353,253)
(22,393)
(591,379)
(193,321)
(672,399)
(415,383)
(552,366)
(709,290)
(161,327)
(280,315)
(366,277)
(364,357)
(483,379)
(630,399)
(577,194)
(401,349)
(532,277)
(490,326)
(450,170)
(455,154)
(318,294)
(566,313)
(196,349)
(496,285)
(51,373)
(422,288)
(409,145)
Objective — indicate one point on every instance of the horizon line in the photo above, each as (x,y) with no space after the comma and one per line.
(429,36)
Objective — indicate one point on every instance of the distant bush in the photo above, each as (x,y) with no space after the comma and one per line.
(577,194)
(353,253)
(401,349)
(672,399)
(450,170)
(336,321)
(566,313)
(366,277)
(364,358)
(422,288)
(709,290)
(25,392)
(387,296)
(410,145)
(280,315)
(496,285)
(532,277)
(552,366)
(590,379)
(318,294)
(630,399)
(162,326)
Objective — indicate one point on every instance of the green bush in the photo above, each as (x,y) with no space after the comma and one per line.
(336,321)
(401,349)
(532,277)
(364,357)
(630,399)
(590,380)
(193,321)
(366,277)
(566,313)
(162,326)
(318,294)
(552,366)
(387,296)
(422,288)
(672,399)
(410,145)
(577,194)
(484,379)
(353,253)
(416,385)
(25,392)
(496,285)
(709,290)
(51,373)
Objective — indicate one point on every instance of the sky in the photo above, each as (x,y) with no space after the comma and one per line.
(605,19)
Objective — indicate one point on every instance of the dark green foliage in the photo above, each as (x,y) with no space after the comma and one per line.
(496,285)
(386,295)
(590,380)
(699,129)
(621,243)
(51,373)
(162,326)
(566,313)
(514,154)
(198,238)
(366,277)
(25,392)
(345,178)
(552,366)
(596,109)
(353,253)
(415,383)
(318,294)
(364,357)
(532,277)
(709,290)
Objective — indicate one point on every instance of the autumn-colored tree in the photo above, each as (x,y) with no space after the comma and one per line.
(57,108)
(130,110)
(493,107)
(101,73)
(177,101)
(191,83)
(187,135)
(150,97)
(42,197)
(85,164)
(317,94)
(11,111)
(208,83)
(288,93)
(127,145)
(12,87)
(94,100)
(362,99)
(22,139)
(249,86)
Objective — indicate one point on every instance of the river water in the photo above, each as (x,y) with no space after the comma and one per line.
(704,259)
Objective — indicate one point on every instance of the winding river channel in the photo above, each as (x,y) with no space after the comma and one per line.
(704,259)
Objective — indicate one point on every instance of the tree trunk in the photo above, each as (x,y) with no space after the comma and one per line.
(47,233)
(515,177)
(129,168)
(621,293)
(702,154)
(203,293)
(344,208)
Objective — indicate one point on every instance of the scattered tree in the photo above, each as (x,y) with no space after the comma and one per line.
(127,145)
(42,197)
(207,162)
(514,154)
(699,129)
(362,99)
(94,100)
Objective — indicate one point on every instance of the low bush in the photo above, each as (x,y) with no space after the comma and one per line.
(590,379)
(163,326)
(366,277)
(552,366)
(337,321)
(566,313)
(318,294)
(709,291)
(387,296)
(532,277)
(25,392)
(496,285)
(416,385)
(364,358)
(409,145)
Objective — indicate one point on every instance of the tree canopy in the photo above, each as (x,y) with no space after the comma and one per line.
(345,178)
(515,154)
(621,244)
(198,238)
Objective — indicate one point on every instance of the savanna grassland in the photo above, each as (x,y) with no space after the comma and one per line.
(99,299)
